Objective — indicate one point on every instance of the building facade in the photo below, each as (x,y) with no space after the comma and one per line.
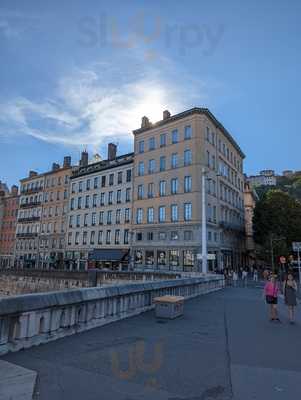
(52,236)
(8,214)
(170,156)
(250,199)
(29,219)
(265,178)
(99,219)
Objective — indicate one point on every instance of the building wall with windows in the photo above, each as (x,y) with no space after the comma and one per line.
(100,208)
(10,206)
(169,158)
(29,219)
(54,215)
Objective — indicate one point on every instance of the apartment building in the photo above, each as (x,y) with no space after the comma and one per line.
(29,218)
(54,215)
(99,220)
(9,201)
(170,157)
(266,177)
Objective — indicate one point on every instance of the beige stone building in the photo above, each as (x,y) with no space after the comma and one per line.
(250,199)
(167,191)
(54,215)
(99,218)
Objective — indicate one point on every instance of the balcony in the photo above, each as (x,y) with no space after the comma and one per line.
(29,219)
(229,226)
(27,235)
(33,190)
(29,205)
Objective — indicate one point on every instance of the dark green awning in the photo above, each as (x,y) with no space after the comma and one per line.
(108,254)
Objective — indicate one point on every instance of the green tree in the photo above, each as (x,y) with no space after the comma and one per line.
(277,215)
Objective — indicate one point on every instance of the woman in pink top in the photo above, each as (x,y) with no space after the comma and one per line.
(271,290)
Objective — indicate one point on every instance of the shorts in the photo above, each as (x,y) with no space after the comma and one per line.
(271,300)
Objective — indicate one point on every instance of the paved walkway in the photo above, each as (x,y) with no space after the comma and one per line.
(223,348)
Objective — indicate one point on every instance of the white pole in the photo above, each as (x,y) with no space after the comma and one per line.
(204,224)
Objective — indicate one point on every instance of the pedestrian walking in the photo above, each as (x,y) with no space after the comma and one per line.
(244,276)
(290,296)
(235,278)
(271,291)
(255,275)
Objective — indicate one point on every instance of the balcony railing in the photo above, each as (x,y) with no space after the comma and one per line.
(29,219)
(33,190)
(31,204)
(27,235)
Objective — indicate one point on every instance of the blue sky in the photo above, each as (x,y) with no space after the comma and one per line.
(77,75)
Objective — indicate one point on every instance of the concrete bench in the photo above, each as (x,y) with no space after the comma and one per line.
(169,306)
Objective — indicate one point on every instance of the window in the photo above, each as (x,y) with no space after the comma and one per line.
(128,194)
(161,257)
(70,221)
(79,203)
(174,258)
(174,160)
(100,237)
(108,237)
(188,258)
(207,134)
(102,199)
(150,190)
(174,136)
(73,187)
(209,236)
(128,175)
(126,236)
(69,238)
(96,182)
(118,216)
(140,193)
(213,162)
(151,143)
(94,200)
(187,211)
(118,196)
(127,215)
(141,146)
(188,235)
(149,257)
(80,186)
(163,140)
(162,188)
(187,184)
(76,237)
(174,213)
(109,217)
(101,217)
(150,236)
(162,214)
(150,215)
(92,237)
(78,221)
(87,202)
(187,157)
(117,236)
(162,163)
(187,132)
(86,219)
(110,200)
(103,181)
(151,166)
(85,235)
(139,236)
(119,178)
(111,179)
(141,168)
(72,204)
(174,185)
(208,159)
(139,216)
(88,184)
(93,218)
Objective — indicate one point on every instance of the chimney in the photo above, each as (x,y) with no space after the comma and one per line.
(166,115)
(84,159)
(55,167)
(67,162)
(32,174)
(145,123)
(14,190)
(112,151)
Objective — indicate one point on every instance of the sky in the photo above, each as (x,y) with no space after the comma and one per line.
(76,75)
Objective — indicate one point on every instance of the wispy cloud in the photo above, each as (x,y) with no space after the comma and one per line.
(102,102)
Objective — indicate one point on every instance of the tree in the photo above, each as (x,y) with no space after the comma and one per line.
(277,215)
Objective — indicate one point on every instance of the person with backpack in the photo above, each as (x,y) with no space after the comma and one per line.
(271,291)
(290,296)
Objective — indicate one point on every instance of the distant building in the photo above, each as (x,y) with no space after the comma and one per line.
(288,173)
(9,205)
(265,178)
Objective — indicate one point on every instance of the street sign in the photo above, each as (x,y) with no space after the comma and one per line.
(297,246)
(282,260)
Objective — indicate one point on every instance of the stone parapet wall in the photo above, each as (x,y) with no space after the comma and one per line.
(32,319)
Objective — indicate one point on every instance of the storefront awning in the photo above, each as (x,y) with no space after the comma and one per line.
(108,254)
